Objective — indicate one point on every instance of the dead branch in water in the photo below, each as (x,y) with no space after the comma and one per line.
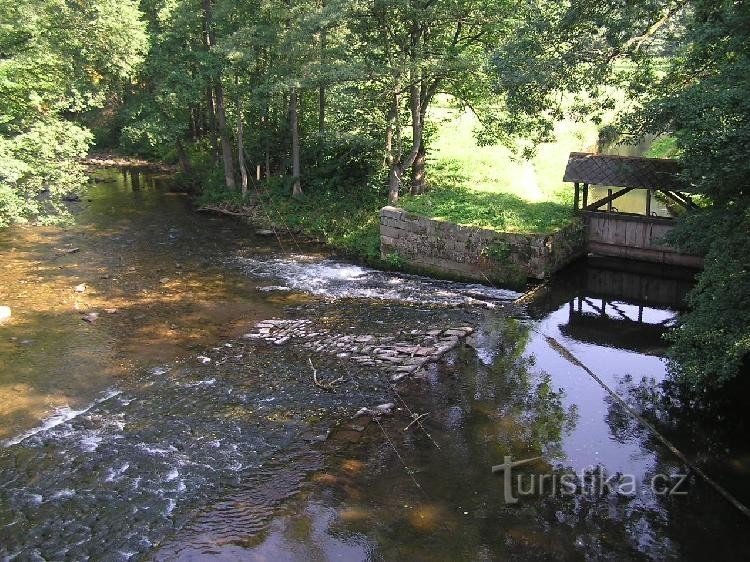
(244,213)
(329,386)
(416,419)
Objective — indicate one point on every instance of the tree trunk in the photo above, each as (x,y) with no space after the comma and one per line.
(218,94)
(322,88)
(418,179)
(294,126)
(394,182)
(400,165)
(193,124)
(212,122)
(226,143)
(266,138)
(388,156)
(185,164)
(419,97)
(322,111)
(241,147)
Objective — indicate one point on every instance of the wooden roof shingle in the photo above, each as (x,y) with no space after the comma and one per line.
(624,171)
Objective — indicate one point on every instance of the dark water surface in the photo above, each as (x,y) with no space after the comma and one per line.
(159,432)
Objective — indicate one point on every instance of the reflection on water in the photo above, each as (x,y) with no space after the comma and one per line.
(144,263)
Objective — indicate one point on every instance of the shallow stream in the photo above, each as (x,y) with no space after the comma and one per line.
(144,414)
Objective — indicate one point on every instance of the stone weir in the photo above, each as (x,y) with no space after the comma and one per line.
(399,355)
(445,249)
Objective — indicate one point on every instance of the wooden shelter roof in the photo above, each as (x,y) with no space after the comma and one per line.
(624,171)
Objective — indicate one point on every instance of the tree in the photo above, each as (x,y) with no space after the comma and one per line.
(56,61)
(416,49)
(703,100)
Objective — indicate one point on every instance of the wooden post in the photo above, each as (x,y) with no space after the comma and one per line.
(648,202)
(577,196)
(609,203)
(585,195)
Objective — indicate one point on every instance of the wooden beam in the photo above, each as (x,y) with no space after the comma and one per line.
(648,202)
(585,195)
(577,196)
(609,203)
(596,204)
(681,200)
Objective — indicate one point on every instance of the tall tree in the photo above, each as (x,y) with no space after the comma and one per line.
(218,97)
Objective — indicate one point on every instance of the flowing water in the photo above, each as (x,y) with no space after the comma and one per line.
(138,422)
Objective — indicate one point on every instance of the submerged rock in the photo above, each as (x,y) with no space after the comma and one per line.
(381,410)
(91,317)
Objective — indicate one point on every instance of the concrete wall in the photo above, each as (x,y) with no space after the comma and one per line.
(450,250)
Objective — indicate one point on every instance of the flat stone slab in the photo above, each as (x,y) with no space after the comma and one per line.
(399,356)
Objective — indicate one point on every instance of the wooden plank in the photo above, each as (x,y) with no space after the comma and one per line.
(604,200)
(631,217)
(646,254)
(682,200)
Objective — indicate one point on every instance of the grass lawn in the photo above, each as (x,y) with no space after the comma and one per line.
(485,186)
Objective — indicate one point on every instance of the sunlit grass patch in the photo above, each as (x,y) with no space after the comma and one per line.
(487,186)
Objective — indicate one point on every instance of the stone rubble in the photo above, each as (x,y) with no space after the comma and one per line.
(400,355)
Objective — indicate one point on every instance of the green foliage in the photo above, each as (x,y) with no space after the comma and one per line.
(703,98)
(350,224)
(712,342)
(57,59)
(395,260)
(498,251)
(686,69)
(664,147)
(503,212)
(38,168)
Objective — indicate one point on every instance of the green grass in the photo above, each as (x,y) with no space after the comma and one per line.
(348,224)
(486,186)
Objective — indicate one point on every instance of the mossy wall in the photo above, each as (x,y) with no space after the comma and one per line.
(450,250)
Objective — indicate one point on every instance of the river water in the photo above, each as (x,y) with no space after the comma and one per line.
(137,421)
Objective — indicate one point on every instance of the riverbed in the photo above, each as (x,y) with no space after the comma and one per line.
(142,417)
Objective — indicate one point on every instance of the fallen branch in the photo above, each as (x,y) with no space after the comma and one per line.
(416,419)
(329,386)
(565,353)
(66,251)
(245,213)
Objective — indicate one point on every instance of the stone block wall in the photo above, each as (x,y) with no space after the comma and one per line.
(450,250)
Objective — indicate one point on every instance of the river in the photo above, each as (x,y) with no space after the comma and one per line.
(144,414)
